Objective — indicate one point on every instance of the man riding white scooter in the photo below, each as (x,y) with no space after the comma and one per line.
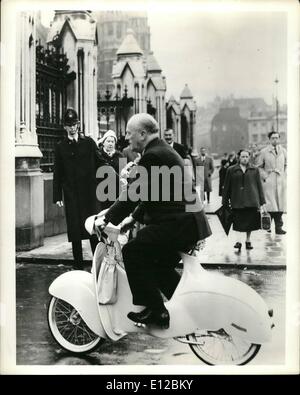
(172,225)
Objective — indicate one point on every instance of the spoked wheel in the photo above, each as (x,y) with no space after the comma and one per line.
(220,348)
(69,329)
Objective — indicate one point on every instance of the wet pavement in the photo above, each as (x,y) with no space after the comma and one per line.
(35,345)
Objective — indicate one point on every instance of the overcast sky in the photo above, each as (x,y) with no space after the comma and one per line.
(221,53)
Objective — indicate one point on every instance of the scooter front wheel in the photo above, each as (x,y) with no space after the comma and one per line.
(68,328)
(220,348)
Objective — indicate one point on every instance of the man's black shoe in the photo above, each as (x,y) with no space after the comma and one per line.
(280,232)
(146,317)
(140,316)
(78,266)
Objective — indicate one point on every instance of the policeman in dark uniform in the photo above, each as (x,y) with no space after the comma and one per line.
(74,182)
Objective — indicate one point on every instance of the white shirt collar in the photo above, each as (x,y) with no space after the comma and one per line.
(73,138)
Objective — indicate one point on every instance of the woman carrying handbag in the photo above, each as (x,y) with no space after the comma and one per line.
(243,192)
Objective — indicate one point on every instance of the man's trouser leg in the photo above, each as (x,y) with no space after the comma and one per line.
(278,220)
(139,264)
(208,196)
(77,254)
(168,277)
(150,261)
(93,242)
(277,216)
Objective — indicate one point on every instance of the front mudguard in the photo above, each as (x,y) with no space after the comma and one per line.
(76,288)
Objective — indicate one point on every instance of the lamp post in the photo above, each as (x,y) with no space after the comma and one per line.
(277,109)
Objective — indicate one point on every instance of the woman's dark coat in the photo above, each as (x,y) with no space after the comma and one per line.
(114,162)
(243,189)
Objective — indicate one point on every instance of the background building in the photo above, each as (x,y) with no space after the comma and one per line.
(181,117)
(112,28)
(74,33)
(206,114)
(229,131)
(138,86)
(262,123)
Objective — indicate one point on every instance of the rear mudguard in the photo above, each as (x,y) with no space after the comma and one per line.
(76,287)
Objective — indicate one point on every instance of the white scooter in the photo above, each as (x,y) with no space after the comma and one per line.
(223,320)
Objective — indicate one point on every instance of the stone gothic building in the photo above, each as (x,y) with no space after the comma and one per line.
(75,32)
(142,77)
(181,117)
(112,28)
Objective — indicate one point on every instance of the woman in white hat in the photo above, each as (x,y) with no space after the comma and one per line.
(111,157)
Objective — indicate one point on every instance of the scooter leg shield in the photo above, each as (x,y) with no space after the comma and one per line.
(76,288)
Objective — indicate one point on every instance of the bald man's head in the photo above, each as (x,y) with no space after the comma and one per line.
(141,129)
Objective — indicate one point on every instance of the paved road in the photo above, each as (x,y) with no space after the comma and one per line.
(35,345)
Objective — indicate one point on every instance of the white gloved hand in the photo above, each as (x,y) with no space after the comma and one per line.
(99,226)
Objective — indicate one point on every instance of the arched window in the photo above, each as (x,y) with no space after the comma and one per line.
(136,98)
(142,99)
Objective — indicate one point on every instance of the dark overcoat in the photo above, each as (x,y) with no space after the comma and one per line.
(74,182)
(241,189)
(179,148)
(222,175)
(159,210)
(208,171)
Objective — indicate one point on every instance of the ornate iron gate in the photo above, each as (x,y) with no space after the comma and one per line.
(118,108)
(52,79)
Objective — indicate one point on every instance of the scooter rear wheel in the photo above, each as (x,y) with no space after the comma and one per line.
(220,348)
(68,328)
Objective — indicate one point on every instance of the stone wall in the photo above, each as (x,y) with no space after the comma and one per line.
(36,215)
(54,216)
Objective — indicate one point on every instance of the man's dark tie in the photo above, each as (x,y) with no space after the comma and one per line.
(275,150)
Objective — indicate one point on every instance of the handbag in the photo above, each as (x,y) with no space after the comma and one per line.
(224,213)
(265,220)
(108,281)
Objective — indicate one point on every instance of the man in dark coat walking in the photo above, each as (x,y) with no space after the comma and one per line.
(172,224)
(208,164)
(74,183)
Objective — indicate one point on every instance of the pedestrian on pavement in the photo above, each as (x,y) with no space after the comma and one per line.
(272,162)
(254,154)
(208,163)
(243,192)
(150,258)
(110,157)
(74,183)
(222,175)
(179,148)
(232,159)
